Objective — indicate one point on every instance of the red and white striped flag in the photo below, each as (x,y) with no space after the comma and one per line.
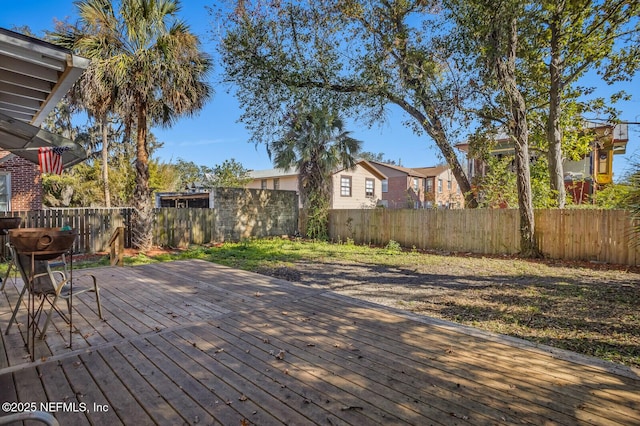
(50,159)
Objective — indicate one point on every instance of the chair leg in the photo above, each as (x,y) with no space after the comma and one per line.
(6,276)
(96,289)
(15,310)
(49,315)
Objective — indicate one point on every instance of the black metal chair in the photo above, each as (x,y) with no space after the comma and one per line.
(48,286)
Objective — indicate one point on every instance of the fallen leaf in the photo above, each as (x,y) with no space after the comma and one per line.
(352,407)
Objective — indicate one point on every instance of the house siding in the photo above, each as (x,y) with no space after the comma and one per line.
(400,184)
(287,183)
(358,198)
(26,182)
(359,174)
(450,198)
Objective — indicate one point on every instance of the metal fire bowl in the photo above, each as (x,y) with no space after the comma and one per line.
(7,223)
(43,243)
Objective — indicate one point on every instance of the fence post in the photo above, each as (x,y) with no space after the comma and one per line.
(116,246)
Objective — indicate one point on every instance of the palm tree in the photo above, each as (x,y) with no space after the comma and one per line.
(316,145)
(154,65)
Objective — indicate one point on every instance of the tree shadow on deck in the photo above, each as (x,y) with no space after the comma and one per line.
(579,313)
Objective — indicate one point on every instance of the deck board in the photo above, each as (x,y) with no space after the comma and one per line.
(520,374)
(190,342)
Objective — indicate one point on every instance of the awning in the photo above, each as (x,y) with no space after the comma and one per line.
(34,76)
(24,140)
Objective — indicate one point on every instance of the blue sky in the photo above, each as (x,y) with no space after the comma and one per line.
(214,135)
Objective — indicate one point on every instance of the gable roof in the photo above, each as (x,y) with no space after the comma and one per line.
(406,170)
(433,171)
(278,173)
(368,166)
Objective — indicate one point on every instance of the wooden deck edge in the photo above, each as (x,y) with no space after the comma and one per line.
(539,348)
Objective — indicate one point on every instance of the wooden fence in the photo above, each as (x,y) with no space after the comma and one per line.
(172,227)
(594,235)
(181,227)
(591,235)
(94,226)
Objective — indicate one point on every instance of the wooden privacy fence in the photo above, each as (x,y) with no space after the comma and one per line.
(592,235)
(181,227)
(239,213)
(95,226)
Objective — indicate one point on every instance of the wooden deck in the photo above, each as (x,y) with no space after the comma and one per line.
(191,342)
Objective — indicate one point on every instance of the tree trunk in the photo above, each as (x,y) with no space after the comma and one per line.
(518,127)
(143,213)
(554,132)
(105,160)
(436,131)
(433,127)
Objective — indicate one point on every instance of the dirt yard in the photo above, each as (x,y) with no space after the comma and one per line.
(589,308)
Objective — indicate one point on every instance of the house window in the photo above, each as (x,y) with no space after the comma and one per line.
(345,186)
(263,184)
(429,185)
(385,185)
(449,185)
(369,186)
(5,192)
(439,186)
(276,184)
(416,184)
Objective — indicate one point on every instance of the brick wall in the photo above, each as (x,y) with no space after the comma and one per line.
(26,182)
(398,196)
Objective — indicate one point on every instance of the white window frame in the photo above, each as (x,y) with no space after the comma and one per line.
(369,187)
(345,186)
(429,185)
(7,177)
